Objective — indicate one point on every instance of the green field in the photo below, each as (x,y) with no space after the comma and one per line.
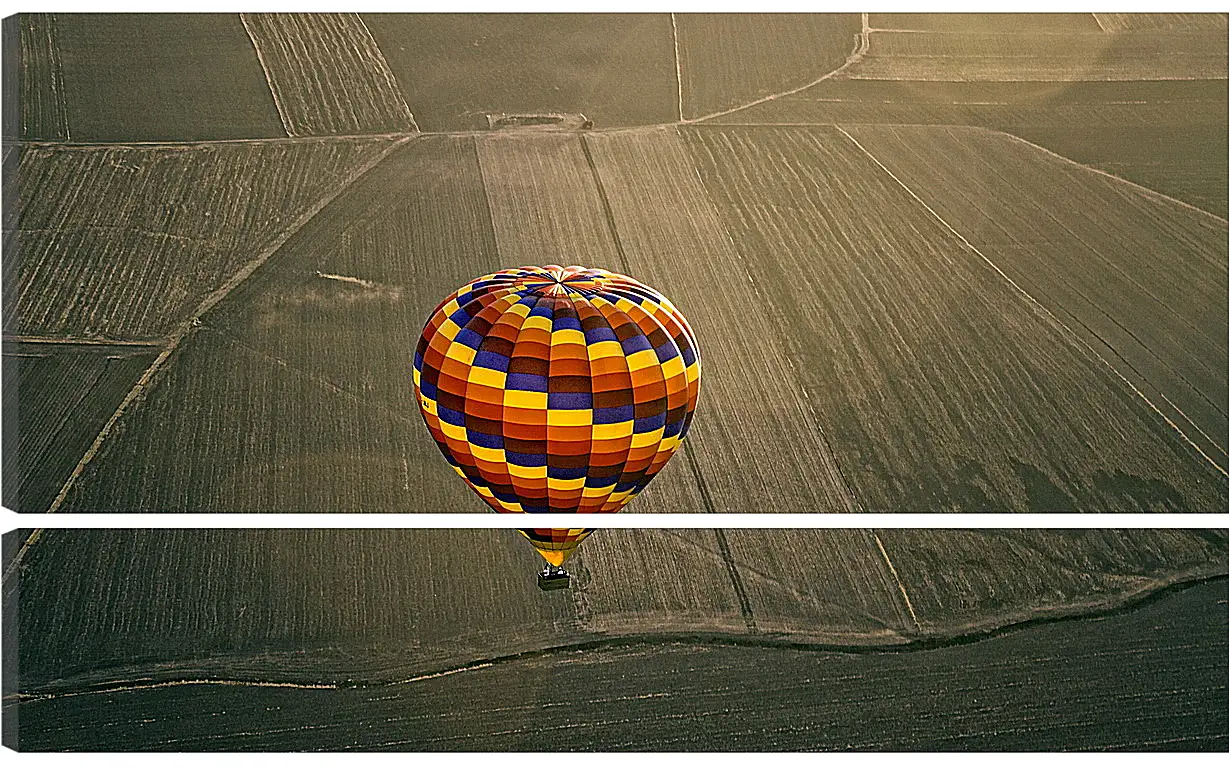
(771,632)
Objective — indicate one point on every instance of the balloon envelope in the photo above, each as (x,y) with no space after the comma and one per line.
(557,389)
(556,545)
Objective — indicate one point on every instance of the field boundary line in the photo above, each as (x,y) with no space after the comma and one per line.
(1207,437)
(20,554)
(899,584)
(281,112)
(208,303)
(388,74)
(605,201)
(678,65)
(855,56)
(181,144)
(21,697)
(1146,190)
(18,338)
(1041,307)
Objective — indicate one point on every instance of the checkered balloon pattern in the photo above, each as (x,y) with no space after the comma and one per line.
(557,389)
(556,544)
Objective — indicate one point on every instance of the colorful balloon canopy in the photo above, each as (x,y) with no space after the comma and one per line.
(556,544)
(557,389)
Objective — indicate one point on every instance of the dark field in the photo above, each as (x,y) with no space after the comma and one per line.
(56,397)
(327,606)
(265,631)
(935,263)
(1142,96)
(898,310)
(123,243)
(1156,318)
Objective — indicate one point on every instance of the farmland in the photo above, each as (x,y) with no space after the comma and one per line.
(31,40)
(56,399)
(1095,99)
(1131,22)
(997,50)
(355,94)
(729,59)
(617,69)
(1159,319)
(120,618)
(159,77)
(665,220)
(970,399)
(310,373)
(856,290)
(789,198)
(123,242)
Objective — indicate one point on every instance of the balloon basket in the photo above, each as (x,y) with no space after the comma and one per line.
(553,578)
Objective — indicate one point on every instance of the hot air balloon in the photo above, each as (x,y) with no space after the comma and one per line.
(555,545)
(557,389)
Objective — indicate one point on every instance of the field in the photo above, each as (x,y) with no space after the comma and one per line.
(355,94)
(30,43)
(726,60)
(1159,320)
(617,69)
(298,620)
(971,399)
(222,235)
(1128,22)
(160,77)
(1166,134)
(324,606)
(929,380)
(1051,56)
(123,242)
(310,372)
(56,399)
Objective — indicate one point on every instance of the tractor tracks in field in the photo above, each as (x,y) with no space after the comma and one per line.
(651,641)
